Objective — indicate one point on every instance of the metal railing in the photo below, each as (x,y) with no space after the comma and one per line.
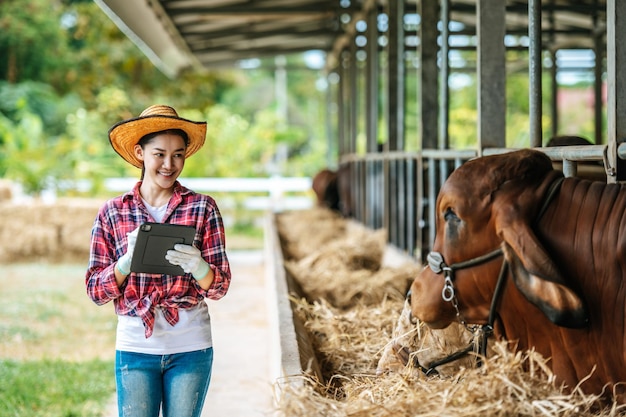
(398,190)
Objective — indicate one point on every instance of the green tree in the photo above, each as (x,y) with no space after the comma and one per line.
(31,45)
(236,147)
(28,157)
(32,120)
(82,74)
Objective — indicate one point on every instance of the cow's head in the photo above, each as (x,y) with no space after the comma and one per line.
(489,203)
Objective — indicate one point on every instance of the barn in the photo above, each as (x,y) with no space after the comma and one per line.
(392,66)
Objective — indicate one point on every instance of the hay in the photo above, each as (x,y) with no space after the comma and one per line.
(347,342)
(40,232)
(357,319)
(7,189)
(294,225)
(342,286)
(340,261)
(501,387)
(414,341)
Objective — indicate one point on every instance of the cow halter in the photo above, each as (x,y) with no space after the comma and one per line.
(480,333)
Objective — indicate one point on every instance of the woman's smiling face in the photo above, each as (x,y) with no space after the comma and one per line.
(163,159)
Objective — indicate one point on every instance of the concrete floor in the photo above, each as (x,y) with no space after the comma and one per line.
(241,384)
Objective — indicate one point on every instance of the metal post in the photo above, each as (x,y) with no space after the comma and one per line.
(444,91)
(331,135)
(534,69)
(342,134)
(395,68)
(554,107)
(491,74)
(353,97)
(616,76)
(598,49)
(428,93)
(372,78)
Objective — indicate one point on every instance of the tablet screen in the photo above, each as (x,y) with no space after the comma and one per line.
(153,242)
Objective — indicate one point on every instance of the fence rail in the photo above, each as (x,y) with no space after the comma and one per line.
(277,193)
(276,189)
(271,185)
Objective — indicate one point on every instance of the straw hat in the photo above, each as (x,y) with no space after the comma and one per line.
(126,134)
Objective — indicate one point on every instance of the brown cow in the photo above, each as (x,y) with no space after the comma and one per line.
(589,170)
(324,186)
(564,242)
(332,189)
(568,141)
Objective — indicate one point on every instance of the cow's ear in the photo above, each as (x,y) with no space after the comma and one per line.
(538,278)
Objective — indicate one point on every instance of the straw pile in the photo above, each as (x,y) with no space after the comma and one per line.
(354,311)
(338,261)
(42,232)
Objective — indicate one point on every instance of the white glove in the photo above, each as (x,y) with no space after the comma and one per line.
(123,264)
(190,259)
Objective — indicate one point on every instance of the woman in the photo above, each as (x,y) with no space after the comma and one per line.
(164,351)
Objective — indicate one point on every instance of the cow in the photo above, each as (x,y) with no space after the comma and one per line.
(549,253)
(324,185)
(332,189)
(590,170)
(568,140)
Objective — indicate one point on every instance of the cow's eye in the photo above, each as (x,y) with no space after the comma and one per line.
(452,224)
(449,215)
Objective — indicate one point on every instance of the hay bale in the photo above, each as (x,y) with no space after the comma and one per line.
(6,190)
(40,232)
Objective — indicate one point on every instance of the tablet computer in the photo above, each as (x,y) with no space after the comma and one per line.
(153,242)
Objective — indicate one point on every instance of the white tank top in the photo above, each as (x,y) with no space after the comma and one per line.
(157,213)
(192,332)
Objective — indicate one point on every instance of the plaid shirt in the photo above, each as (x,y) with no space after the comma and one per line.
(142,293)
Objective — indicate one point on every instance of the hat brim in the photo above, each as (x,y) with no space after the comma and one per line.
(126,134)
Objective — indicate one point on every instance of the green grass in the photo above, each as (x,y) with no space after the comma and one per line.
(55,388)
(57,347)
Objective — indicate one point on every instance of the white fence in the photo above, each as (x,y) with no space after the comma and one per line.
(276,189)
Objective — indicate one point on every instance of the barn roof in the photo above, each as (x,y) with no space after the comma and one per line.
(177,34)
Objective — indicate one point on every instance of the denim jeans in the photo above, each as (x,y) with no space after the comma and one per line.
(177,384)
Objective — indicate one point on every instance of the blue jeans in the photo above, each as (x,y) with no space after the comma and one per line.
(177,384)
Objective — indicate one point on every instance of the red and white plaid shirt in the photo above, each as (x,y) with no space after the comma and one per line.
(142,293)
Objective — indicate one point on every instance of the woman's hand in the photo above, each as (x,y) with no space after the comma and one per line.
(123,264)
(190,259)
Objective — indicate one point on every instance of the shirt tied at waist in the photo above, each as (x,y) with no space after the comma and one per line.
(145,308)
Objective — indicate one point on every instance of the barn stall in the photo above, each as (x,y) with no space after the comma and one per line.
(340,297)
